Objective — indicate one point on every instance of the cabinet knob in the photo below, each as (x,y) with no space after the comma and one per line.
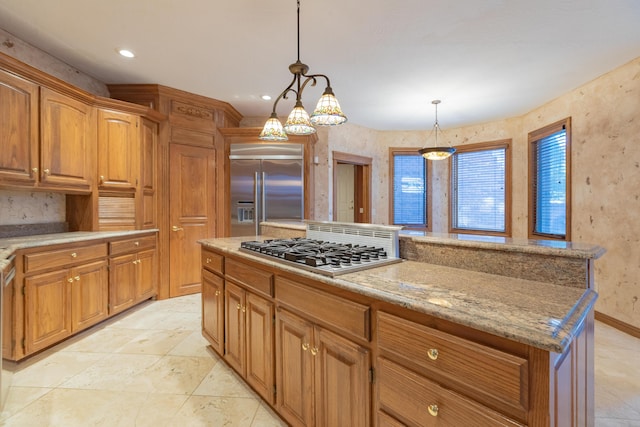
(433,410)
(314,350)
(238,306)
(46,171)
(176,228)
(77,278)
(244,309)
(73,254)
(101,179)
(35,171)
(217,293)
(432,353)
(136,243)
(208,260)
(305,346)
(70,280)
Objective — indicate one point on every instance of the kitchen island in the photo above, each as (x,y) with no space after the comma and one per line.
(405,344)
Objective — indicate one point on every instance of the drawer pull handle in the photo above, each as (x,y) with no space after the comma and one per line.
(314,350)
(77,278)
(70,280)
(432,353)
(176,228)
(74,255)
(137,243)
(305,346)
(208,260)
(433,410)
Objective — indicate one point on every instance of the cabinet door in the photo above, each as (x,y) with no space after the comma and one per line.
(234,310)
(146,281)
(294,369)
(118,148)
(89,295)
(213,310)
(122,282)
(259,350)
(342,388)
(67,132)
(18,130)
(148,175)
(47,309)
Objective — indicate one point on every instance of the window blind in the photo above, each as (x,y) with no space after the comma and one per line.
(478,190)
(409,190)
(550,184)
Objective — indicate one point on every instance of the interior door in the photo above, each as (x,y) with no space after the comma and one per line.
(191,212)
(346,193)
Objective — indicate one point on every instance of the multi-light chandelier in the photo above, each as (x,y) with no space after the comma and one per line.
(436,152)
(327,112)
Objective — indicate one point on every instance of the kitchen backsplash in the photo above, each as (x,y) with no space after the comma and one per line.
(25,207)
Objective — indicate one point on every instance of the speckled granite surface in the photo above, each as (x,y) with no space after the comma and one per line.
(10,245)
(539,314)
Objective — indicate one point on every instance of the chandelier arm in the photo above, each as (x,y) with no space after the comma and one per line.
(316,76)
(284,93)
(308,79)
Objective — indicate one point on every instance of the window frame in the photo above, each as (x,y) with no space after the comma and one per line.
(484,146)
(393,151)
(533,138)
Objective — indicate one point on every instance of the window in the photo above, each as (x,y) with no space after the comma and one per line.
(408,193)
(481,189)
(549,189)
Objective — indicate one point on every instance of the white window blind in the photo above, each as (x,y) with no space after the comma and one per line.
(478,190)
(409,190)
(550,184)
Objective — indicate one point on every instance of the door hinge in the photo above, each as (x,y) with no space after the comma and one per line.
(274,319)
(372,375)
(24,290)
(275,391)
(24,344)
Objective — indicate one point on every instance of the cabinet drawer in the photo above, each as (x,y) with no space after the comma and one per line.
(417,401)
(343,314)
(212,261)
(132,245)
(457,362)
(259,280)
(63,257)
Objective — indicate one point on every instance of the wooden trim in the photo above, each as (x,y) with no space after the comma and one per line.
(362,187)
(428,174)
(533,137)
(490,145)
(627,328)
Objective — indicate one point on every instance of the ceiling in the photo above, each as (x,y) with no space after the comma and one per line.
(387,60)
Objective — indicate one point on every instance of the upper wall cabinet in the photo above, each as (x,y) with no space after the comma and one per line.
(18,130)
(67,150)
(118,150)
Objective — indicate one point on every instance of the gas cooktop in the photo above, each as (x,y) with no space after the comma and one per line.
(327,258)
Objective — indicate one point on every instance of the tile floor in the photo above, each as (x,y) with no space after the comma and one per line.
(151,367)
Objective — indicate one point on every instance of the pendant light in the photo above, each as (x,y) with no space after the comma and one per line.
(436,152)
(327,112)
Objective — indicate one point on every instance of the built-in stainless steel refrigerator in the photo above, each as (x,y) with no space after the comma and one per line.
(266,185)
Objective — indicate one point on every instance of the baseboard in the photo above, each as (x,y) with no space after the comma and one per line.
(621,326)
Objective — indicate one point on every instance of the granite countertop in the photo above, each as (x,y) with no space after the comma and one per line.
(539,314)
(11,244)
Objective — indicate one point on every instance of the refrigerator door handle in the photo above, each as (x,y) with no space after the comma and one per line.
(256,206)
(264,198)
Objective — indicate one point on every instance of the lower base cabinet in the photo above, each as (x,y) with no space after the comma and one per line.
(322,378)
(213,310)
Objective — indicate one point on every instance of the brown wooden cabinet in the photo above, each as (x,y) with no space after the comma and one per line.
(67,141)
(213,310)
(118,150)
(321,377)
(148,174)
(132,272)
(89,301)
(19,137)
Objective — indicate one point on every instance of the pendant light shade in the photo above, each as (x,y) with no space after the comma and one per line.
(327,112)
(273,130)
(436,152)
(298,122)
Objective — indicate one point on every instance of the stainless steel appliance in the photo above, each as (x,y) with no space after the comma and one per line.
(332,248)
(6,372)
(266,185)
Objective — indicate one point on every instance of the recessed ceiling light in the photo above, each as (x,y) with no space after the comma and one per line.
(266,97)
(126,53)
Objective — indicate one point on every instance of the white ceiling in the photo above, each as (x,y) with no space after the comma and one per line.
(386,59)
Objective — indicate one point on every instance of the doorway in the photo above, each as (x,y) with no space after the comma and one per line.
(351,188)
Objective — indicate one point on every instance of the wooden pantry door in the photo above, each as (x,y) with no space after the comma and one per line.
(191,209)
